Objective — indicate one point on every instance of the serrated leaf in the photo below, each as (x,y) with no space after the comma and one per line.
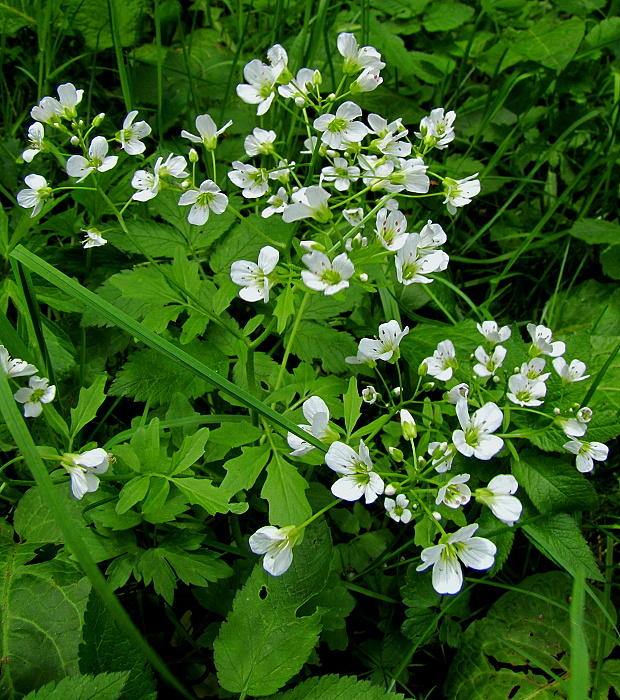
(88,404)
(190,452)
(105,648)
(315,341)
(559,538)
(104,686)
(41,610)
(284,489)
(337,688)
(553,483)
(34,522)
(263,642)
(242,471)
(552,44)
(201,492)
(94,25)
(445,16)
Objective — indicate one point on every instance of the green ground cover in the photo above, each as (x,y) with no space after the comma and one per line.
(412,250)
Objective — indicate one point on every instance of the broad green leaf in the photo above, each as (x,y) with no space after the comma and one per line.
(553,484)
(191,451)
(337,688)
(610,261)
(596,230)
(34,522)
(284,489)
(88,404)
(88,18)
(352,403)
(315,341)
(104,648)
(242,471)
(444,16)
(605,33)
(610,677)
(559,538)
(132,492)
(41,614)
(16,14)
(552,44)
(263,642)
(235,434)
(201,492)
(104,686)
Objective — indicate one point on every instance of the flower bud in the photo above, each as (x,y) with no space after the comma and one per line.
(185,184)
(369,394)
(428,386)
(585,414)
(396,390)
(193,155)
(407,425)
(331,97)
(363,277)
(396,454)
(75,141)
(556,411)
(391,489)
(317,78)
(437,515)
(98,119)
(309,246)
(423,369)
(496,379)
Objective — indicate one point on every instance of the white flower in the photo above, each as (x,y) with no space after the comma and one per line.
(35,137)
(431,236)
(492,333)
(356,59)
(526,392)
(131,133)
(15,368)
(173,166)
(316,412)
(254,180)
(82,469)
(397,509)
(475,552)
(277,203)
(341,174)
(260,142)
(407,424)
(80,167)
(341,126)
(47,111)
(298,88)
(282,172)
(278,58)
(570,373)
(367,81)
(277,545)
(443,362)
(410,175)
(412,265)
(255,279)
(460,192)
(308,202)
(454,493)
(359,478)
(208,132)
(325,275)
(542,342)
(587,452)
(369,395)
(149,184)
(576,427)
(498,497)
(38,392)
(475,438)
(391,229)
(34,197)
(68,98)
(489,364)
(458,393)
(442,455)
(353,217)
(259,90)
(436,130)
(207,197)
(93,239)
(384,347)
(533,370)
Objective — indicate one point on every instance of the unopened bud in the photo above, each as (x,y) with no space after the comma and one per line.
(317,78)
(422,369)
(396,391)
(310,246)
(363,277)
(396,454)
(391,490)
(407,425)
(557,411)
(193,155)
(331,97)
(495,378)
(428,386)
(75,141)
(185,184)
(98,119)
(437,515)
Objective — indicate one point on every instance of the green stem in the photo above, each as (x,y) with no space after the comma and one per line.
(291,340)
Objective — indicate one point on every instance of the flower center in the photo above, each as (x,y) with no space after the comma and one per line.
(36,395)
(332,278)
(337,125)
(204,198)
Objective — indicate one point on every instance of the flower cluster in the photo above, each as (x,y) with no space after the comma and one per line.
(38,391)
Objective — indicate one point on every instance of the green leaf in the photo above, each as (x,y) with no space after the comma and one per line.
(34,522)
(201,492)
(190,452)
(444,16)
(16,14)
(315,341)
(88,18)
(596,230)
(132,492)
(263,642)
(559,538)
(552,483)
(352,403)
(235,434)
(610,261)
(41,611)
(88,404)
(104,686)
(105,648)
(605,33)
(337,688)
(284,489)
(552,44)
(285,307)
(242,471)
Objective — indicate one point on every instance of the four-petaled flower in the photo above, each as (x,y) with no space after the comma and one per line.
(488,364)
(316,412)
(459,192)
(476,552)
(80,167)
(253,180)
(259,142)
(386,345)
(542,342)
(308,202)
(131,134)
(256,280)
(34,197)
(325,275)
(341,127)
(570,373)
(397,509)
(93,238)
(260,88)
(436,130)
(15,368)
(454,493)
(208,132)
(207,197)
(35,138)
(341,174)
(587,452)
(34,395)
(492,333)
(443,362)
(498,497)
(356,59)
(475,438)
(442,456)
(276,543)
(359,478)
(391,229)
(526,392)
(82,469)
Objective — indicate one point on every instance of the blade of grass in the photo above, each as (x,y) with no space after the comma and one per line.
(165,348)
(118,50)
(74,541)
(579,682)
